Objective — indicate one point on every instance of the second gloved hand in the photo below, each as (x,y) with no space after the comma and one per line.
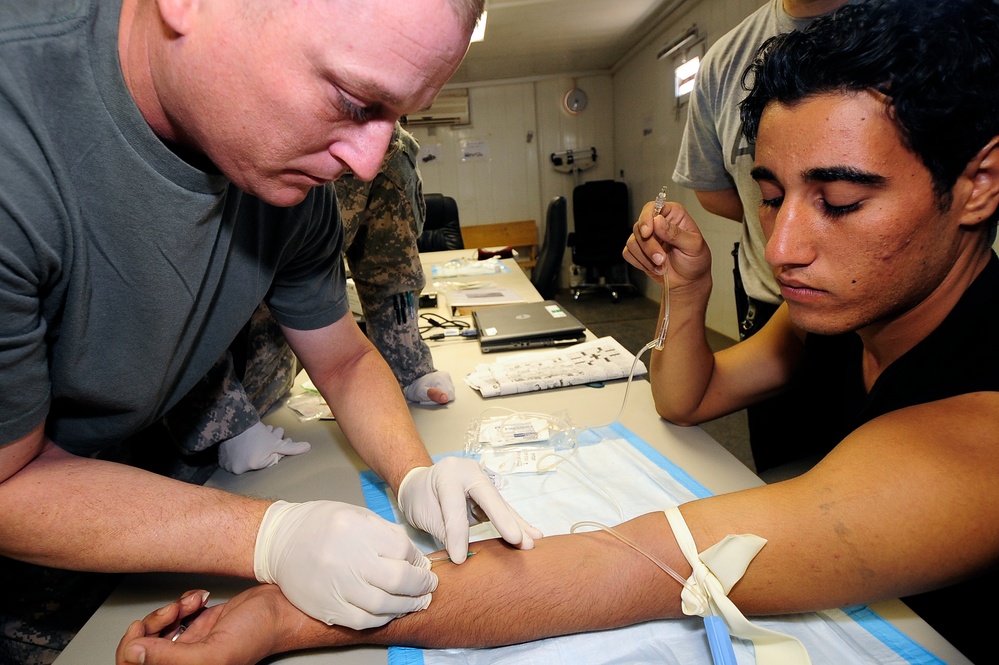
(342,564)
(433,388)
(258,447)
(448,497)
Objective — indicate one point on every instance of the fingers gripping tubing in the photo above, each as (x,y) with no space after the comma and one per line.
(341,564)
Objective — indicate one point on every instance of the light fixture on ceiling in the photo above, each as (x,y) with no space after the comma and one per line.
(480,28)
(681,43)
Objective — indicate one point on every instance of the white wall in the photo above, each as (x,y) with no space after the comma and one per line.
(522,122)
(643,90)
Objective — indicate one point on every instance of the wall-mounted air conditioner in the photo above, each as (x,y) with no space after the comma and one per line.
(449,108)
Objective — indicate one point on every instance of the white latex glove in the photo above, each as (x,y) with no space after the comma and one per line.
(418,391)
(342,564)
(258,447)
(448,497)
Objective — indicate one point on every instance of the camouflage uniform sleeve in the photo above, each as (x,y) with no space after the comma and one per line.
(382,220)
(215,409)
(221,405)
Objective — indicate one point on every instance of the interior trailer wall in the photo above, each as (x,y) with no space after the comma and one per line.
(498,167)
(648,126)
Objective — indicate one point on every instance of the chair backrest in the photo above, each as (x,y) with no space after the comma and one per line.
(602,223)
(545,274)
(441,228)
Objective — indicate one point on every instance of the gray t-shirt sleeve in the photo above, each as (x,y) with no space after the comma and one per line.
(26,256)
(309,290)
(701,164)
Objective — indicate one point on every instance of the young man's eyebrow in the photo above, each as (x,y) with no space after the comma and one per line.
(844,174)
(762,173)
(827,174)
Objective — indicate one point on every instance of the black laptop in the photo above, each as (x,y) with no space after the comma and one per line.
(528,325)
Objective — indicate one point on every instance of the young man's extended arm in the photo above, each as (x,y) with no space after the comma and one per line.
(905,504)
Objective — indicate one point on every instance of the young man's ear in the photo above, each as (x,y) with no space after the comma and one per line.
(982,184)
(178,15)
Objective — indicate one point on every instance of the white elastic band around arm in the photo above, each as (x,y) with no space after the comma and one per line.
(716,570)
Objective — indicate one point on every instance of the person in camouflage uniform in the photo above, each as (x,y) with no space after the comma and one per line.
(382,220)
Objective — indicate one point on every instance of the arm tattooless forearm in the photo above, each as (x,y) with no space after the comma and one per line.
(567,584)
(83,514)
(681,372)
(364,395)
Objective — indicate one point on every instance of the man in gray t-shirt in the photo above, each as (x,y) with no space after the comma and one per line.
(167,167)
(715,161)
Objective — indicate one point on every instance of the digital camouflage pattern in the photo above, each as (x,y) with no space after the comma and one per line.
(229,400)
(41,609)
(382,220)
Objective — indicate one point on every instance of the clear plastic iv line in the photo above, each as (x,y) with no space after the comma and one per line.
(660,341)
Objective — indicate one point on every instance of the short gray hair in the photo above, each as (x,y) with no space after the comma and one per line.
(468,11)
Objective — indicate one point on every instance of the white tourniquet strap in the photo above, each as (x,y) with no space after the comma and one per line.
(716,570)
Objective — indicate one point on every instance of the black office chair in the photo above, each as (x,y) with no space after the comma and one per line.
(545,274)
(603,224)
(441,228)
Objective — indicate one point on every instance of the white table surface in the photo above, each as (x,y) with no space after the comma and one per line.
(331,471)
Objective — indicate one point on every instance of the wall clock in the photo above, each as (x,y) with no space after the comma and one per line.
(574,101)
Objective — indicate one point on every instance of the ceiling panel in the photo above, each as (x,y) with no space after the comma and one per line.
(527,38)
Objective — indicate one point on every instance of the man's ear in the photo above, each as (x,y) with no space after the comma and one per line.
(178,15)
(982,178)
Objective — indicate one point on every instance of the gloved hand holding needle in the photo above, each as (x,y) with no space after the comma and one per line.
(447,498)
(344,565)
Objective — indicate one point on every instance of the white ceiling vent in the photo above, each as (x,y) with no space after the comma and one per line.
(449,108)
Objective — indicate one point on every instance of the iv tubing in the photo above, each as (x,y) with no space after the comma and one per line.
(660,341)
(719,640)
(597,525)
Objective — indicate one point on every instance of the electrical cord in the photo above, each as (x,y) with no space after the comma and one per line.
(444,327)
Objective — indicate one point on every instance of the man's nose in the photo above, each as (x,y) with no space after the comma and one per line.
(363,150)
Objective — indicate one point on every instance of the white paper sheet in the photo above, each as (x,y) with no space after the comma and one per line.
(600,360)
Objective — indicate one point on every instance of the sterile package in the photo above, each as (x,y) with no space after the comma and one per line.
(518,442)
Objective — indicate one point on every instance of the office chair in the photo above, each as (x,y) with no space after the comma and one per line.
(545,274)
(441,228)
(603,224)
